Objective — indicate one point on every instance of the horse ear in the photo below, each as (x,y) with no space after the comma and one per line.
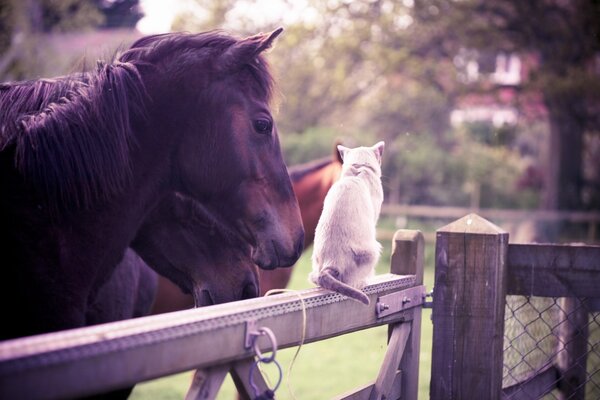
(378,149)
(342,150)
(246,50)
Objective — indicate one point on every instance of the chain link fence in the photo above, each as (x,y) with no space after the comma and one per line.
(551,348)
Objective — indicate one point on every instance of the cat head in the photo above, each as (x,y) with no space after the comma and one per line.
(362,156)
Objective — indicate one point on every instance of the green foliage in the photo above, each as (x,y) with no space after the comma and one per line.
(321,142)
(418,169)
(490,135)
(6,25)
(69,15)
(312,144)
(422,172)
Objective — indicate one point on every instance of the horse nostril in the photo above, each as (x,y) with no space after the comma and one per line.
(250,291)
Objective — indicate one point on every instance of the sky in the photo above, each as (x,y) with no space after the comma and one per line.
(159,14)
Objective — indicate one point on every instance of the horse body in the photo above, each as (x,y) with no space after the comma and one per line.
(80,174)
(137,283)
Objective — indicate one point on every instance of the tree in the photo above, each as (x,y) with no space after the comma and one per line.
(23,22)
(564,37)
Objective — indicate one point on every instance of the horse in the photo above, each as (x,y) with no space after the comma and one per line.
(187,245)
(84,160)
(128,293)
(311,182)
(181,241)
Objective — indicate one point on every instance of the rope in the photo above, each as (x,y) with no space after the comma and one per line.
(302,338)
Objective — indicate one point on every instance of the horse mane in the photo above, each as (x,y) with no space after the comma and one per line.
(297,172)
(189,47)
(71,136)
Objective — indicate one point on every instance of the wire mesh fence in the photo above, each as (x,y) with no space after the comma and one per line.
(551,348)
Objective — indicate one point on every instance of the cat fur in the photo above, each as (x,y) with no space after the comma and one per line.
(345,249)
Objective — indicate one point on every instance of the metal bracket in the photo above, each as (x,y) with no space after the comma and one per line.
(251,333)
(400,301)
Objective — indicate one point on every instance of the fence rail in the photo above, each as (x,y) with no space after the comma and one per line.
(491,213)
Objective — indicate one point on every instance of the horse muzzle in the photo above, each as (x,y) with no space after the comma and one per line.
(272,254)
(245,286)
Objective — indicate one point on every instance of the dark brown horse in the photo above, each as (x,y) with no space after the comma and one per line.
(184,243)
(128,293)
(80,173)
(311,182)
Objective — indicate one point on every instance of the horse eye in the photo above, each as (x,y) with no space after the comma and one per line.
(263,126)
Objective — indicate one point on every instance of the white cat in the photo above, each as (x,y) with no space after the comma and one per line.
(345,249)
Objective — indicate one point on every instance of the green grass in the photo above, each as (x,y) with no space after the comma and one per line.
(323,369)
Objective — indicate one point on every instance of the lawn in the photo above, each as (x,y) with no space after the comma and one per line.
(323,369)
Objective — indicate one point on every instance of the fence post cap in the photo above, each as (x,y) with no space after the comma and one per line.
(472,223)
(407,234)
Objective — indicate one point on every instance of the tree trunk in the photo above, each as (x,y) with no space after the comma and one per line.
(564,171)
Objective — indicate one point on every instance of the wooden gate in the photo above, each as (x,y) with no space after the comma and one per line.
(214,340)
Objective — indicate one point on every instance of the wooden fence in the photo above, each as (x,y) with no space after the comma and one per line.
(475,269)
(214,340)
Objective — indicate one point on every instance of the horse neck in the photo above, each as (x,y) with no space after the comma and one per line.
(311,191)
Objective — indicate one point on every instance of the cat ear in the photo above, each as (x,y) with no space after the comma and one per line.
(342,150)
(378,149)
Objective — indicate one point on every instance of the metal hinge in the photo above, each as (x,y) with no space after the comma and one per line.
(400,301)
(428,304)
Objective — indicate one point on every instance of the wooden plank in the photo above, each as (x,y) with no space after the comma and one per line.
(383,385)
(535,387)
(571,358)
(240,373)
(206,383)
(593,305)
(408,255)
(551,270)
(104,357)
(468,310)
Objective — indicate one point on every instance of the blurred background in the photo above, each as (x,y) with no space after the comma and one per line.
(485,106)
(481,104)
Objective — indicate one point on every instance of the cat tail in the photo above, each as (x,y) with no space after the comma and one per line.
(329,281)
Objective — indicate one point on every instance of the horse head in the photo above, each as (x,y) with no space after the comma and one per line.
(228,156)
(183,242)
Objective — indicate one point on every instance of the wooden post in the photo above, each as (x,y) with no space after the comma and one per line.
(468,310)
(206,383)
(408,249)
(571,359)
(399,373)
